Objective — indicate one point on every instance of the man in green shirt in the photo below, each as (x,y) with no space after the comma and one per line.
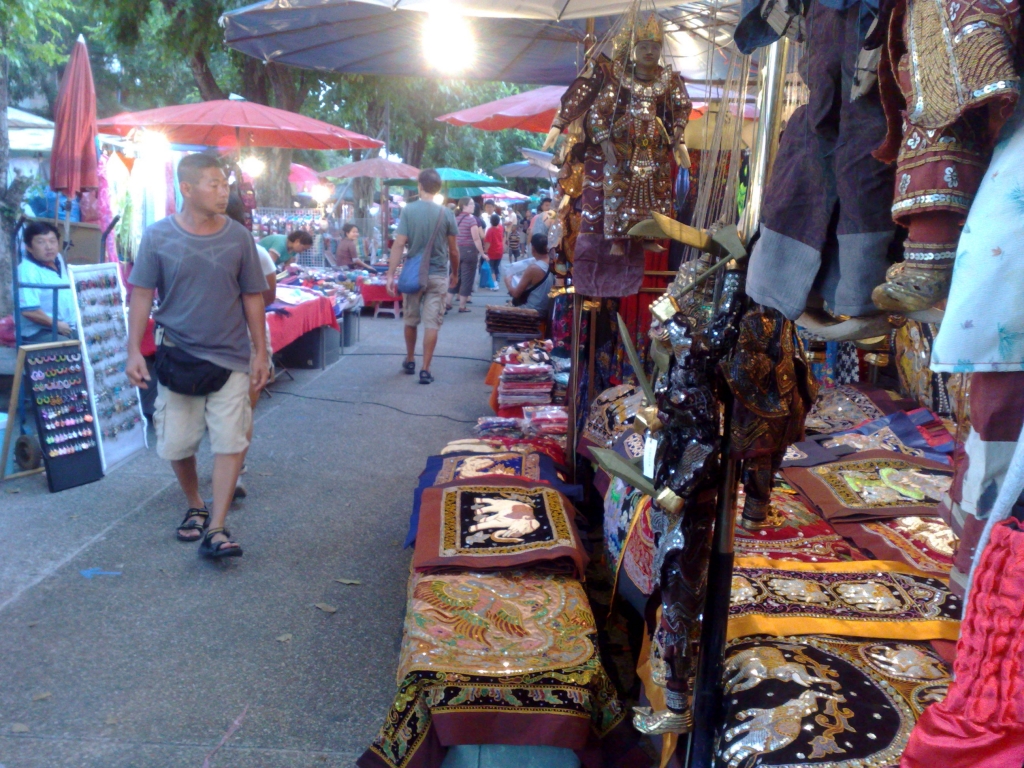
(283,249)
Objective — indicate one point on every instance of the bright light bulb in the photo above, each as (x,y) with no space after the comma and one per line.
(439,198)
(449,44)
(253,167)
(320,193)
(151,142)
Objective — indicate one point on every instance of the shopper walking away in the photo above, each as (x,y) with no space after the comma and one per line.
(471,250)
(43,265)
(536,280)
(494,238)
(284,249)
(424,223)
(207,272)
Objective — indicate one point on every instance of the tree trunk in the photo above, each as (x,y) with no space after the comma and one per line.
(209,90)
(272,187)
(8,206)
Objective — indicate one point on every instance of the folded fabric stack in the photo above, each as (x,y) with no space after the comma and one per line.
(525,384)
(534,350)
(500,642)
(508,319)
(497,426)
(545,420)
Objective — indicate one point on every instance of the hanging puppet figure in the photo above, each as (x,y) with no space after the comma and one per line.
(624,119)
(638,120)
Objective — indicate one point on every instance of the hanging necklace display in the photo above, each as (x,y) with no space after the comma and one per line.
(120,427)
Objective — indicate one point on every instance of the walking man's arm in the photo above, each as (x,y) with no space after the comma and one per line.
(138,317)
(255,314)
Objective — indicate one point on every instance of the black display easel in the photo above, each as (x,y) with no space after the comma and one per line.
(64,471)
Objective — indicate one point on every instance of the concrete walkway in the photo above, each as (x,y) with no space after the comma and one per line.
(152,667)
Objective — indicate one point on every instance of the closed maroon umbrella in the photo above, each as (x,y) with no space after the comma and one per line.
(73,159)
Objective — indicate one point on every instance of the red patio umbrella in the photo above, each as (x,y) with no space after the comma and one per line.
(302,177)
(529,111)
(231,123)
(373,168)
(73,159)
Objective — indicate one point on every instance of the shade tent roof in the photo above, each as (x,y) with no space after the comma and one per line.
(17,118)
(497,193)
(449,176)
(525,170)
(229,123)
(372,168)
(368,37)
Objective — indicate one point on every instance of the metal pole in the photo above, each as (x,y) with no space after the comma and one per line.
(574,379)
(707,694)
(708,686)
(769,102)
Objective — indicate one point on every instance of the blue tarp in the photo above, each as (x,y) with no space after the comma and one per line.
(364,38)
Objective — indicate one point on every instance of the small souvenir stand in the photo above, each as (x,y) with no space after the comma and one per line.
(100,306)
(65,413)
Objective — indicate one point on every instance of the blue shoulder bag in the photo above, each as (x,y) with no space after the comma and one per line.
(415,269)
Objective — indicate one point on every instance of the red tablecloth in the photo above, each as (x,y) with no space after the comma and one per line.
(283,330)
(303,318)
(375,293)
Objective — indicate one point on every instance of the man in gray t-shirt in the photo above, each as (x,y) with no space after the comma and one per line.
(417,224)
(208,275)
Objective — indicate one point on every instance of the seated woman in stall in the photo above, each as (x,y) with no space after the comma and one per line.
(348,250)
(534,283)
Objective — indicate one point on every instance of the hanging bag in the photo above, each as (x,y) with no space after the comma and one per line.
(413,278)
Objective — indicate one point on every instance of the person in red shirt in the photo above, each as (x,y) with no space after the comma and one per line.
(494,240)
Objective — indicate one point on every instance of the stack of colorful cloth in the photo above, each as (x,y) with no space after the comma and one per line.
(509,319)
(500,643)
(525,384)
(545,421)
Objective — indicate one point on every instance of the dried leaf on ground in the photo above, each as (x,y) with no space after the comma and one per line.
(111,720)
(42,696)
(326,608)
(354,582)
(19,728)
(285,638)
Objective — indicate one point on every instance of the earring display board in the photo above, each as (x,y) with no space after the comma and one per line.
(65,415)
(103,328)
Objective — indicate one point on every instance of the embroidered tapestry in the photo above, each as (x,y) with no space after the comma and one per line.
(925,543)
(873,485)
(839,408)
(869,598)
(514,523)
(492,658)
(825,702)
(794,533)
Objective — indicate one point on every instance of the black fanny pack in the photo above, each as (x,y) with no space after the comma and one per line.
(186,374)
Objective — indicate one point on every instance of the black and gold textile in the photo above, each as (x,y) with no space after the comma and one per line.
(568,706)
(825,702)
(867,598)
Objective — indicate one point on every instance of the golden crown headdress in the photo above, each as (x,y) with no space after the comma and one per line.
(636,30)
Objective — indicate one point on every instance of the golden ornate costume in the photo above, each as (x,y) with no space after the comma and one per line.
(639,118)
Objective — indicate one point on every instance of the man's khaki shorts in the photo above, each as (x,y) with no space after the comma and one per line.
(428,304)
(181,420)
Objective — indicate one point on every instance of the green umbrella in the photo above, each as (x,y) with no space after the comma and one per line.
(450,176)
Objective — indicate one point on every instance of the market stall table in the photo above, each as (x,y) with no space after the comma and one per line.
(378,295)
(301,319)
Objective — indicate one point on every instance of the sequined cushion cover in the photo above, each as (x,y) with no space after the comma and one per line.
(825,702)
